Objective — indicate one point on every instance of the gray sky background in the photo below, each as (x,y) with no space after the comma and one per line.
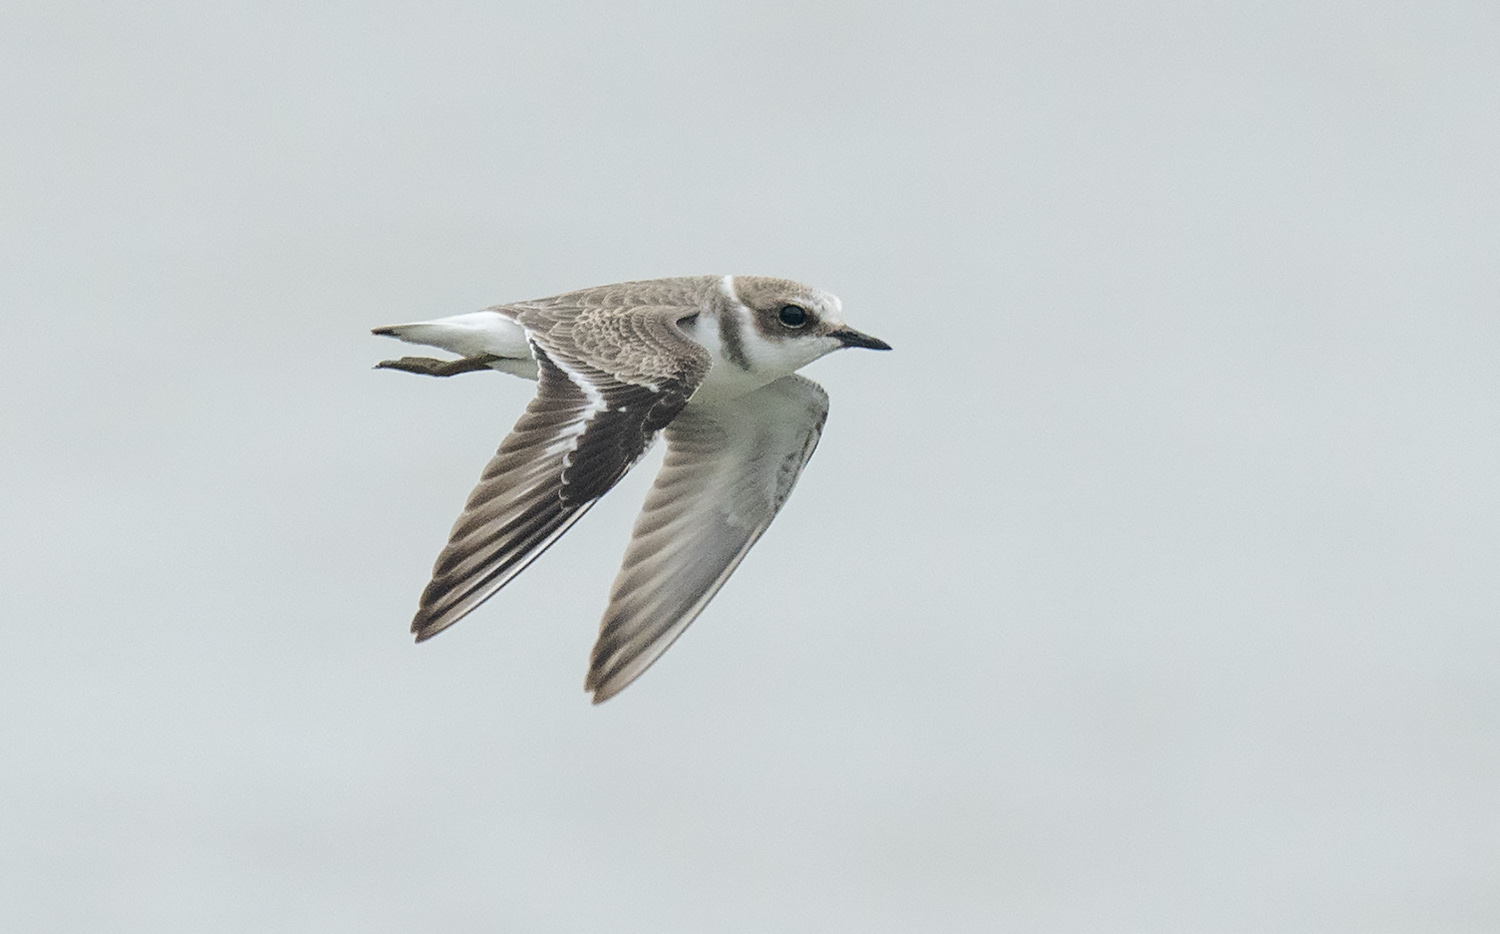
(1150,585)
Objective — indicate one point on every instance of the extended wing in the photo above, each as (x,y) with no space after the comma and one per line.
(598,407)
(727,471)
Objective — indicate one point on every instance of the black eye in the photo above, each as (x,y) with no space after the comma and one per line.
(793,316)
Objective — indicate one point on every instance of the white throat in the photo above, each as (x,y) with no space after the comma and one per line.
(727,377)
(743,358)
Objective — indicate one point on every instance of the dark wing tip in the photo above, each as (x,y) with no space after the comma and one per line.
(596,683)
(610,672)
(424,628)
(384,332)
(601,692)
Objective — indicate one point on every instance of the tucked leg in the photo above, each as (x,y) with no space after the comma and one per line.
(429,366)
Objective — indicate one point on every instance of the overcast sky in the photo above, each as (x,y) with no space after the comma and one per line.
(1149,585)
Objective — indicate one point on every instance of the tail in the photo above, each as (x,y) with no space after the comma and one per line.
(470,335)
(482,338)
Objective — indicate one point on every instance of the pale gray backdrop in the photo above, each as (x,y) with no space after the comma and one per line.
(1149,585)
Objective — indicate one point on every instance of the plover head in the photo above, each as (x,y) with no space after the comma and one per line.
(793,324)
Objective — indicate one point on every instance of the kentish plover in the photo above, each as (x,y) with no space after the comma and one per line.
(710,360)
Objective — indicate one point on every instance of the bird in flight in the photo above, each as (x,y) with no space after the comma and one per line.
(708,360)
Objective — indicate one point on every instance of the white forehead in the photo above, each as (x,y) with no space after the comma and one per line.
(827,304)
(763,291)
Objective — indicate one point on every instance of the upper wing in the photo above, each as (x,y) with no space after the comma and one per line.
(727,471)
(610,379)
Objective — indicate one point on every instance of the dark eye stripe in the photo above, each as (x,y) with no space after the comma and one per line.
(793,316)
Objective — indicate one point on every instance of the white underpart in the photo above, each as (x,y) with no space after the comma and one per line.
(474,334)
